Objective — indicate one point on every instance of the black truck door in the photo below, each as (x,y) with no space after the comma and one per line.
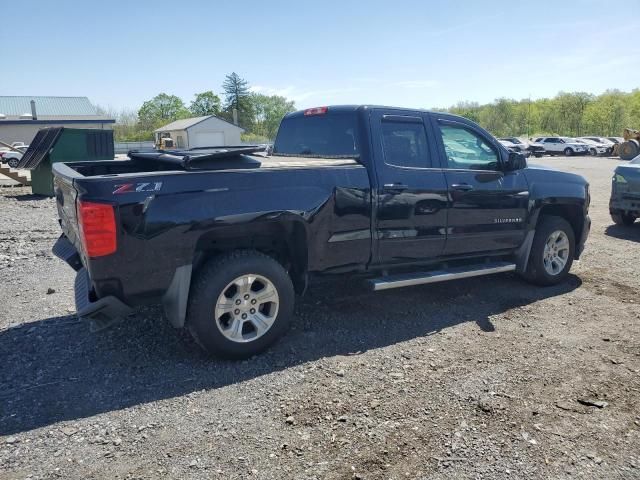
(411,192)
(488,206)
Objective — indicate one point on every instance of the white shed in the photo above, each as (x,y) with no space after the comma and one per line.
(208,131)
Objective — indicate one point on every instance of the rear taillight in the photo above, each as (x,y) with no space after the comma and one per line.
(97,223)
(316,111)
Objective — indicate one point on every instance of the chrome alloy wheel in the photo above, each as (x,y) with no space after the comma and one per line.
(246,308)
(556,252)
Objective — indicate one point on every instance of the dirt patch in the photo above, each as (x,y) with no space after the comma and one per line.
(481,378)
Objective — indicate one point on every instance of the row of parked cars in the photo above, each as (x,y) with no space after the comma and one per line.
(568,146)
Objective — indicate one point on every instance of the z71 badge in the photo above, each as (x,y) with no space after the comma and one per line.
(138,187)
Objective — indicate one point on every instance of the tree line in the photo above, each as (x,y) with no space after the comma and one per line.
(572,114)
(258,114)
(567,114)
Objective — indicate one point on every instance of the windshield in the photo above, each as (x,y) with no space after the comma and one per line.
(321,135)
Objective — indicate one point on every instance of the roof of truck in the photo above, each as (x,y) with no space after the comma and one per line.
(354,108)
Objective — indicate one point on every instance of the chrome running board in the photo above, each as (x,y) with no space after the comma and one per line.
(419,278)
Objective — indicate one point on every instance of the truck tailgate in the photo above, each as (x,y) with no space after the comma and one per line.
(66,196)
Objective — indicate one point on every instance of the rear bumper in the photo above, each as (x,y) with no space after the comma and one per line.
(624,203)
(101,311)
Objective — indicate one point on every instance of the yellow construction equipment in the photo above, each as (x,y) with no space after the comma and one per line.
(630,148)
(164,142)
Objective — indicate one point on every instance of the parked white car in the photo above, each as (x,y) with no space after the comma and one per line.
(595,148)
(563,145)
(11,157)
(605,141)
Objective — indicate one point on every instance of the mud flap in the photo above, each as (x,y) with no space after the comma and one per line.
(174,301)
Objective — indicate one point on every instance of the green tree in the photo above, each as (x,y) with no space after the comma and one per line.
(568,113)
(498,117)
(609,114)
(205,103)
(470,110)
(634,109)
(268,112)
(161,110)
(238,97)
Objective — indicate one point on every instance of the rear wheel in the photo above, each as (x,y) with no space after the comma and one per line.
(568,152)
(13,162)
(621,218)
(593,152)
(240,304)
(552,251)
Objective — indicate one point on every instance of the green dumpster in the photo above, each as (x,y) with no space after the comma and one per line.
(61,144)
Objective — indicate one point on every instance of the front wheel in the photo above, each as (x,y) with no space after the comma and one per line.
(552,251)
(568,152)
(593,152)
(621,218)
(240,303)
(13,162)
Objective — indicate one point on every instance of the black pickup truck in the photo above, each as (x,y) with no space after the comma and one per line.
(225,237)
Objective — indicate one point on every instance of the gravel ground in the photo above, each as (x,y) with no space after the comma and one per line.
(480,378)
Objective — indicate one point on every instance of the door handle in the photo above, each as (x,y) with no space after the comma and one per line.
(464,187)
(395,186)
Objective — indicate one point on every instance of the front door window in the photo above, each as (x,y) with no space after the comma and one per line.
(466,150)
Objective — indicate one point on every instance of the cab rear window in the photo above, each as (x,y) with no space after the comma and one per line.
(318,135)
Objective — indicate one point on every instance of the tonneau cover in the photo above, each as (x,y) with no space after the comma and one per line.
(188,159)
(242,157)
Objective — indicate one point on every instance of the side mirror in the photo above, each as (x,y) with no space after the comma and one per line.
(515,161)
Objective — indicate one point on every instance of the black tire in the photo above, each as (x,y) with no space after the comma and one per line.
(538,155)
(536,272)
(593,152)
(13,162)
(629,149)
(621,218)
(568,152)
(212,280)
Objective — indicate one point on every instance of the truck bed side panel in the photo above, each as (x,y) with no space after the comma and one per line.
(161,231)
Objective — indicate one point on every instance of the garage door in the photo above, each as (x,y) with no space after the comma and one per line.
(208,139)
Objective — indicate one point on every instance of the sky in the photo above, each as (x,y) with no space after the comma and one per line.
(420,54)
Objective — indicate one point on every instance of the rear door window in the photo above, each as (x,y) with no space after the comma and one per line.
(405,144)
